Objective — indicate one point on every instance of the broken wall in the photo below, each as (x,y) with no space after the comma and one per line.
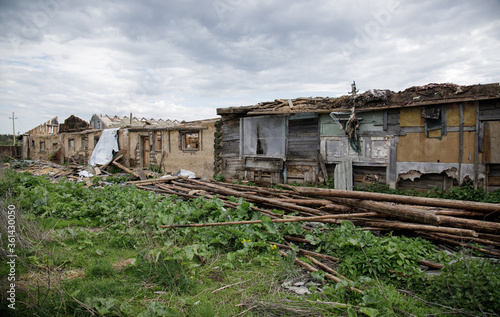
(62,147)
(189,147)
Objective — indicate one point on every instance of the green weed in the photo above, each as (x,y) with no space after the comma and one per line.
(105,253)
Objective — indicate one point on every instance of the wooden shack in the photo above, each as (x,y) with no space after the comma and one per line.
(438,135)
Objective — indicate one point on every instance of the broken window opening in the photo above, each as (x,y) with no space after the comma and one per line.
(96,139)
(340,118)
(264,136)
(71,144)
(435,121)
(42,146)
(54,147)
(190,141)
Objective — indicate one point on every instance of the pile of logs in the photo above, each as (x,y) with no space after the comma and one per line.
(450,222)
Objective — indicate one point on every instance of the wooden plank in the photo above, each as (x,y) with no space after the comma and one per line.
(436,202)
(258,169)
(322,166)
(476,148)
(494,181)
(126,169)
(115,159)
(460,141)
(386,124)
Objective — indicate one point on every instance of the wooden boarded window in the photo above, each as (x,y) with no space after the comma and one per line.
(190,140)
(158,142)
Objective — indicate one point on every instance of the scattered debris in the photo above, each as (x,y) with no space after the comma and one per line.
(446,221)
(302,285)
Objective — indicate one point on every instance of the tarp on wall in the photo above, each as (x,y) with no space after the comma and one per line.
(105,148)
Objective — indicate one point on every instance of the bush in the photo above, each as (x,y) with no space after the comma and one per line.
(469,283)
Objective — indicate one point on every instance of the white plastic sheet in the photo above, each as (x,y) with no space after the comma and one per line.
(185,173)
(103,151)
(85,174)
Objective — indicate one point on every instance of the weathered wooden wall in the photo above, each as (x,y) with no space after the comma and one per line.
(303,148)
(372,161)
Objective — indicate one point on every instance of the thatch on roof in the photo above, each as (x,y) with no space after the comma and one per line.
(373,99)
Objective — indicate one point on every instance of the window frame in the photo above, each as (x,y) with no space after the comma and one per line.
(183,142)
(158,141)
(244,135)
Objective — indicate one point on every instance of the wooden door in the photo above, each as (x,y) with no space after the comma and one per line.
(145,152)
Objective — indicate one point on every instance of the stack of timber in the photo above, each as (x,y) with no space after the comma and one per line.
(447,222)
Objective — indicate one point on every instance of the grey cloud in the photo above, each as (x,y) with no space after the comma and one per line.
(166,57)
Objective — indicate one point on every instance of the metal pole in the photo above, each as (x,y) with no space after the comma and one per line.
(13,129)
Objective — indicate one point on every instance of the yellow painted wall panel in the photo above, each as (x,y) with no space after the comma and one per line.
(416,147)
(411,117)
(453,115)
(470,114)
(469,146)
(435,133)
(408,148)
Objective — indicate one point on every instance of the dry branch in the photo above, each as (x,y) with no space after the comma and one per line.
(247,222)
(328,275)
(154,181)
(327,268)
(306,252)
(412,226)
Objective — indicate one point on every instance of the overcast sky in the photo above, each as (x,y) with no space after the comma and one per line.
(182,59)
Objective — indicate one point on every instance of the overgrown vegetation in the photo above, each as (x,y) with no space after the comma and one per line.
(102,251)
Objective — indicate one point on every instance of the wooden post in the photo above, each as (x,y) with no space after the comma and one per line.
(460,142)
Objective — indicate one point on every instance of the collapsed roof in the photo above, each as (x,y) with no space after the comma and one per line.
(126,121)
(373,99)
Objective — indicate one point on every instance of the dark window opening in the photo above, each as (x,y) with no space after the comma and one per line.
(435,121)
